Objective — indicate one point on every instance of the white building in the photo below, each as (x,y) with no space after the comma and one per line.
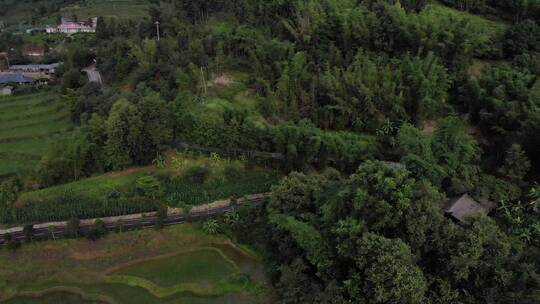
(7,90)
(69,27)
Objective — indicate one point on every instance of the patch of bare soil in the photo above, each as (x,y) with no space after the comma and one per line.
(45,255)
(116,245)
(429,127)
(221,81)
(84,255)
(130,171)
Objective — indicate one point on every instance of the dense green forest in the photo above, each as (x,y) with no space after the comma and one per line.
(344,90)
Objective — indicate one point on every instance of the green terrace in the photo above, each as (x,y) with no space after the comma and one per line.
(184,179)
(28,124)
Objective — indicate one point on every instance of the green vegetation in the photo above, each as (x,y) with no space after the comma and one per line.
(380,112)
(209,266)
(187,179)
(246,183)
(17,12)
(486,29)
(202,266)
(536,90)
(501,9)
(93,187)
(107,8)
(29,13)
(52,298)
(28,123)
(376,224)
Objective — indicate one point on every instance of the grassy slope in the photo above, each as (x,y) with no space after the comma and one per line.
(108,8)
(179,191)
(233,95)
(16,11)
(28,124)
(85,264)
(484,28)
(95,186)
(219,185)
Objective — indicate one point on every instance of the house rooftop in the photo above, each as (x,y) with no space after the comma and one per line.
(395,165)
(14,78)
(463,206)
(33,49)
(34,66)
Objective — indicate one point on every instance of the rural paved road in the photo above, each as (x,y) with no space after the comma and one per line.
(173,219)
(93,74)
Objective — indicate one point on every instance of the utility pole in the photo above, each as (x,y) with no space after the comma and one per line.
(204,82)
(157,29)
(7,59)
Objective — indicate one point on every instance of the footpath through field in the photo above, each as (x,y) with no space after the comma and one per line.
(174,216)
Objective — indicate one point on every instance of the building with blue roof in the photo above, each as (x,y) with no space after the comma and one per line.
(10,78)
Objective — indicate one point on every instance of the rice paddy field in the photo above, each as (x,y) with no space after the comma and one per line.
(28,125)
(179,264)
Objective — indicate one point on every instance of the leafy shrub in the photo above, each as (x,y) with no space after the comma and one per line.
(232,171)
(100,227)
(149,186)
(197,174)
(99,230)
(184,191)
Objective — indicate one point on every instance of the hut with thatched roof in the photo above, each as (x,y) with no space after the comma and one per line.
(460,207)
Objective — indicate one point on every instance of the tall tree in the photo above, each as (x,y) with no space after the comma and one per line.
(384,271)
(123,128)
(516,164)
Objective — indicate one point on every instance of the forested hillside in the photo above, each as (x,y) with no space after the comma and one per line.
(382,111)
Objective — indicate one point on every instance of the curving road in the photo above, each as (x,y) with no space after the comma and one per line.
(93,74)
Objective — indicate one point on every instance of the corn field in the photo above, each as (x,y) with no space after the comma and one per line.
(59,209)
(178,192)
(186,192)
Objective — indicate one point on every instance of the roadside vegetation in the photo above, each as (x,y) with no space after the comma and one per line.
(365,119)
(180,179)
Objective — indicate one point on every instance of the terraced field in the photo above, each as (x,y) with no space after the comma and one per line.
(28,124)
(179,264)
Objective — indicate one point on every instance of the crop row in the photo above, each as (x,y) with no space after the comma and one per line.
(195,194)
(70,203)
(59,209)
